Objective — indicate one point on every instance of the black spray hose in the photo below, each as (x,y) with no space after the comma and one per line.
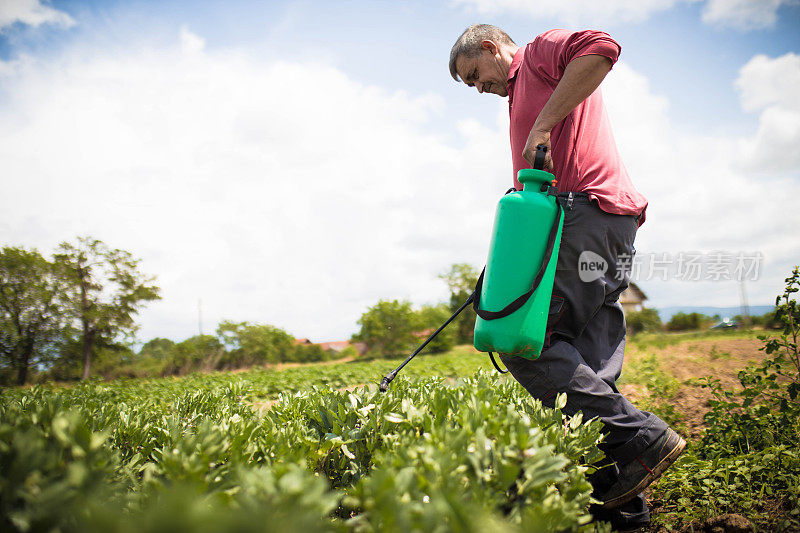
(384,386)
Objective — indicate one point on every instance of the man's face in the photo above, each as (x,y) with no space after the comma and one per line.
(485,72)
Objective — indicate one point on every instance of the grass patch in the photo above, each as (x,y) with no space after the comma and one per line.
(716,353)
(664,339)
(661,388)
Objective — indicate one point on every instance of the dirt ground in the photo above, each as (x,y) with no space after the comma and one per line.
(687,362)
(691,360)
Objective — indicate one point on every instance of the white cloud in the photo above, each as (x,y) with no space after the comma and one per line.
(190,42)
(576,12)
(743,14)
(277,192)
(769,86)
(288,193)
(32,13)
(766,81)
(703,195)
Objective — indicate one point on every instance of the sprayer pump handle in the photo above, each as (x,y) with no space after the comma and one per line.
(541,154)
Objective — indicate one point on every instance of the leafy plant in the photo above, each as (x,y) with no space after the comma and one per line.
(194,454)
(748,460)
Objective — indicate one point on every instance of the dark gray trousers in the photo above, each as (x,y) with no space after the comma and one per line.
(585,341)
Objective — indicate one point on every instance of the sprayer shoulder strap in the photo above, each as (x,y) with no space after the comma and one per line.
(519,302)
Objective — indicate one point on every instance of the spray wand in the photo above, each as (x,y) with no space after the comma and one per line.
(387,379)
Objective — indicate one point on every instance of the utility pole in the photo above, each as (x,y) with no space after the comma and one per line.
(200,316)
(744,307)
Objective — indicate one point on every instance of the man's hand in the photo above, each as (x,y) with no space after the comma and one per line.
(535,138)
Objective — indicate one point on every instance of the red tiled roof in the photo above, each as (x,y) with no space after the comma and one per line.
(337,346)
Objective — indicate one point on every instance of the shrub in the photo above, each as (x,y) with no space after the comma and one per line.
(429,319)
(307,353)
(686,321)
(158,348)
(255,344)
(768,320)
(387,328)
(644,320)
(201,352)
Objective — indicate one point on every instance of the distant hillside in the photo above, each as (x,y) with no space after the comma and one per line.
(666,312)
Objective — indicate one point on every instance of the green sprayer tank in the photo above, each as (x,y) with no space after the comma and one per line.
(527,226)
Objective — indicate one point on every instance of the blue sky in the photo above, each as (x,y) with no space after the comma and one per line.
(405,44)
(178,98)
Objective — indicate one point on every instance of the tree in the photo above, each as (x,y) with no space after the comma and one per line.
(387,328)
(306,353)
(250,344)
(106,291)
(644,320)
(32,318)
(158,348)
(195,353)
(768,320)
(461,280)
(429,318)
(684,321)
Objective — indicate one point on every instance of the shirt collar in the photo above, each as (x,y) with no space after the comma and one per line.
(515,63)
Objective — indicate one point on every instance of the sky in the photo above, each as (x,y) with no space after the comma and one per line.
(292,163)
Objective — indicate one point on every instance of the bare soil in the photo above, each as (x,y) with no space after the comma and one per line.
(721,358)
(688,362)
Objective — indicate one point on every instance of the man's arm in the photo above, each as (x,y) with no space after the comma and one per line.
(581,77)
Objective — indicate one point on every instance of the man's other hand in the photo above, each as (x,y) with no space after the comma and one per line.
(535,138)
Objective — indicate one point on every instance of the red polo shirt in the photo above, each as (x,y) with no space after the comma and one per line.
(585,156)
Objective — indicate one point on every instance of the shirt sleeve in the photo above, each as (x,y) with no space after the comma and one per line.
(551,52)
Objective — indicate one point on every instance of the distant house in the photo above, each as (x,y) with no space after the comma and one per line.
(632,298)
(338,346)
(424,334)
(334,346)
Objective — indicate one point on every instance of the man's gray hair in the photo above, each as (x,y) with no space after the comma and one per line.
(469,43)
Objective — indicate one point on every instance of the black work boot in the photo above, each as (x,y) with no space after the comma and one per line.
(632,515)
(646,467)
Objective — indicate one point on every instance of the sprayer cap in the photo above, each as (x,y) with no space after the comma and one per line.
(530,175)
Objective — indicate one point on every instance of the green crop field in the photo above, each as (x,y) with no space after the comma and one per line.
(469,454)
(452,446)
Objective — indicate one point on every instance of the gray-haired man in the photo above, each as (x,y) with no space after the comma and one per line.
(552,88)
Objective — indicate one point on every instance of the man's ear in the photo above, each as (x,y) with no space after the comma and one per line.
(486,44)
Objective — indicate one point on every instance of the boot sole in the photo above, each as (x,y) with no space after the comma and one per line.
(659,469)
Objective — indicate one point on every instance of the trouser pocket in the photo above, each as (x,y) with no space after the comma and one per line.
(533,376)
(553,316)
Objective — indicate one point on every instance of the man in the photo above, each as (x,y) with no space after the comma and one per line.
(554,100)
